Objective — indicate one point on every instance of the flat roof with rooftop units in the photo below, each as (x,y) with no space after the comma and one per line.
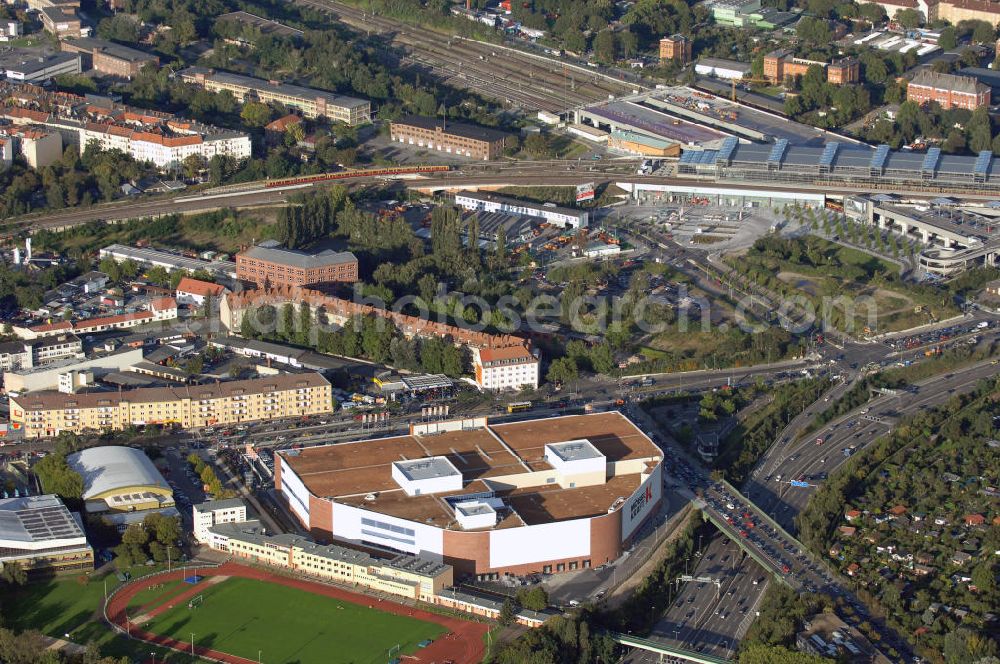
(560,493)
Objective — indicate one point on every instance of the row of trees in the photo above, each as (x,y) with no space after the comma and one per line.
(73,181)
(308,218)
(371,337)
(32,647)
(956,130)
(206,474)
(750,439)
(57,477)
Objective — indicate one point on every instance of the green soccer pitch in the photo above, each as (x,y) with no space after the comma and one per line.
(245,616)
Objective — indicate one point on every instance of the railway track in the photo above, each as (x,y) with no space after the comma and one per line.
(532,83)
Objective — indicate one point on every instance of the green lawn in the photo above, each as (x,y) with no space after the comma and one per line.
(244,616)
(71,605)
(144,597)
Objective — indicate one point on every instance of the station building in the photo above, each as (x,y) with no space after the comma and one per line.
(782,164)
(540,496)
(635,143)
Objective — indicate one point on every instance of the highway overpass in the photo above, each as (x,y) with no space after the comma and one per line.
(667,653)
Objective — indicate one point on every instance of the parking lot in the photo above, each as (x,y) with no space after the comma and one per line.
(701,224)
(188,488)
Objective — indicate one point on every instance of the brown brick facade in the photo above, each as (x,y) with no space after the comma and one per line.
(320,518)
(273,273)
(677,48)
(947,98)
(473,142)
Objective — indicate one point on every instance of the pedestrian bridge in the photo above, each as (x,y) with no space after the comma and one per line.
(667,653)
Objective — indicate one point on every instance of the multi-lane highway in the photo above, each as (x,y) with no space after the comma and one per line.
(710,612)
(806,460)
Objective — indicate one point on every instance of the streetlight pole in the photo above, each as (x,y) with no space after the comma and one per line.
(258,656)
(192,644)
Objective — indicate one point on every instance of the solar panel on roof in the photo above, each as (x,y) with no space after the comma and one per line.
(879,158)
(727,149)
(931,160)
(829,152)
(982,165)
(777,151)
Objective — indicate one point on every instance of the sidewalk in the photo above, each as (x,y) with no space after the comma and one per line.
(64,646)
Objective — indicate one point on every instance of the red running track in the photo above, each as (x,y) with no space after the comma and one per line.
(463,643)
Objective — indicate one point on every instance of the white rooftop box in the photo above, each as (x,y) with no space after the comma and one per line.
(424,476)
(574,457)
(475,514)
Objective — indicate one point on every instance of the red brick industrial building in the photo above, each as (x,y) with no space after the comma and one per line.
(272,265)
(948,90)
(465,140)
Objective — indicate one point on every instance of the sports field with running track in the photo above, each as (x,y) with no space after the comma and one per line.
(244,616)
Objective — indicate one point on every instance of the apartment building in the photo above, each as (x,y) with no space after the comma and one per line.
(39,146)
(147,135)
(457,138)
(339,311)
(196,292)
(312,103)
(948,90)
(402,575)
(676,48)
(46,414)
(269,263)
(17,355)
(956,11)
(509,368)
